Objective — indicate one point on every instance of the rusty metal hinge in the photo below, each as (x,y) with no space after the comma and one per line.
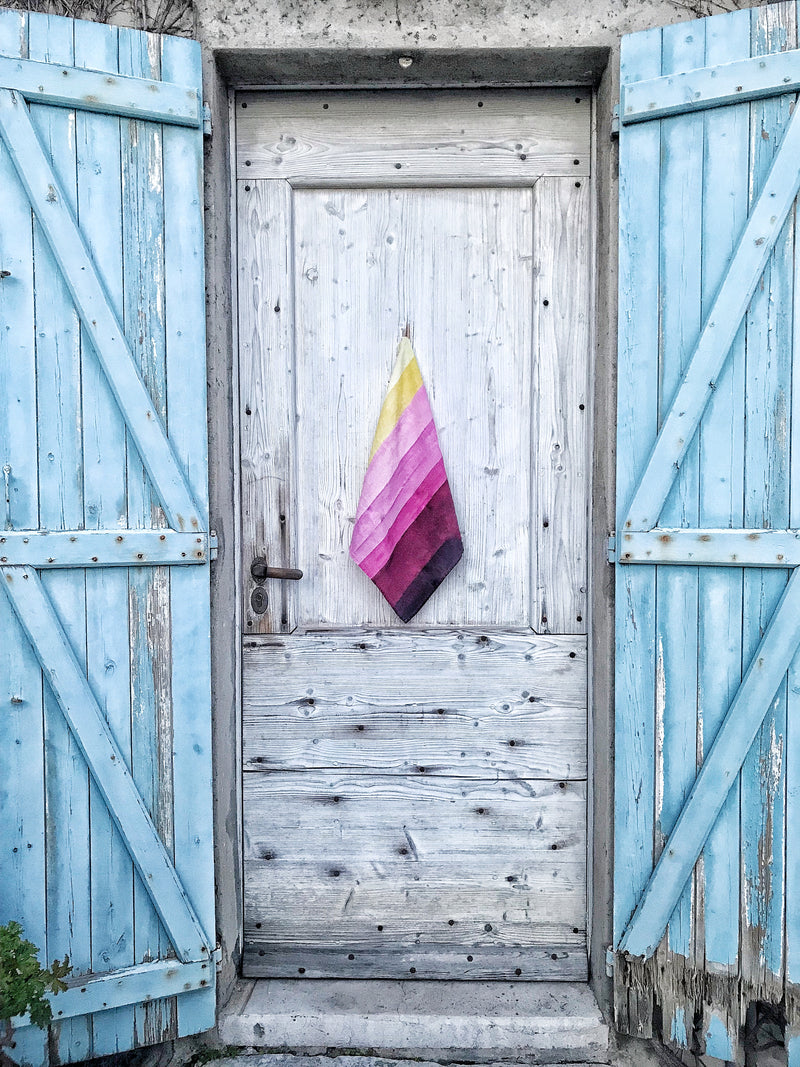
(609,961)
(213,545)
(206,120)
(612,548)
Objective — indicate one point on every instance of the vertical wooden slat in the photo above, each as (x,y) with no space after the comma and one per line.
(58,375)
(792,909)
(635,587)
(561,311)
(767,397)
(148,588)
(189,586)
(680,257)
(22,828)
(725,201)
(105,506)
(266,394)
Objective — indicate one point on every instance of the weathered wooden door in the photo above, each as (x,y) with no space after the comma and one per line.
(415,795)
(708,482)
(105,762)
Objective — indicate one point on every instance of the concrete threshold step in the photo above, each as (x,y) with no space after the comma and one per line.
(454,1022)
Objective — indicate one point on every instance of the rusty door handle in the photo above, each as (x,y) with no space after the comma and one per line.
(260,571)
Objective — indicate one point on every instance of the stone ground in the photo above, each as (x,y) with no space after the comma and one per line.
(627,1052)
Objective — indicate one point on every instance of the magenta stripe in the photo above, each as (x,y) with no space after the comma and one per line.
(413,420)
(436,524)
(376,559)
(411,470)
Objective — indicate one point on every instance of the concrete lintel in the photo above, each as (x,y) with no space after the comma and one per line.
(430,67)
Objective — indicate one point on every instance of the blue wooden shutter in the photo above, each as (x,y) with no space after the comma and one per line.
(707,882)
(105,734)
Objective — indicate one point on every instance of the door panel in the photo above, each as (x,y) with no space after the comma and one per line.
(414,796)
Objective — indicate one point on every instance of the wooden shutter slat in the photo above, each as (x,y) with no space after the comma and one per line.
(721,326)
(101,548)
(104,759)
(717,774)
(89,90)
(712,86)
(97,316)
(184,285)
(712,548)
(102,992)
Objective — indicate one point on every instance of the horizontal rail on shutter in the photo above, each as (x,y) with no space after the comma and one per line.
(69,685)
(101,548)
(89,90)
(716,776)
(132,985)
(728,83)
(710,548)
(101,325)
(733,297)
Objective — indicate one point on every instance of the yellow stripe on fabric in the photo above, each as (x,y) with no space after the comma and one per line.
(400,395)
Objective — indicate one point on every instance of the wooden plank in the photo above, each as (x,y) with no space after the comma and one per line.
(478,137)
(718,772)
(561,312)
(637,415)
(89,728)
(22,790)
(715,85)
(680,274)
(792,859)
(768,375)
(521,818)
(758,239)
(556,664)
(17,366)
(89,90)
(364,264)
(92,548)
(416,867)
(104,992)
(105,505)
(60,457)
(554,963)
(725,204)
(266,394)
(509,705)
(101,323)
(149,600)
(184,288)
(712,547)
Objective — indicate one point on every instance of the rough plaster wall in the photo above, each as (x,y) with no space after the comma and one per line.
(388,24)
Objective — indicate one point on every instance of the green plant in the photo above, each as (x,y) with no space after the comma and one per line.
(24,983)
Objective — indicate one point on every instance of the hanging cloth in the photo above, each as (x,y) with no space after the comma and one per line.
(406,536)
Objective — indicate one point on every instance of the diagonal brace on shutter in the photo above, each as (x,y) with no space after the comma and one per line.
(716,776)
(97,316)
(719,330)
(105,761)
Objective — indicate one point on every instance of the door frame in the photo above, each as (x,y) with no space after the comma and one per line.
(300,71)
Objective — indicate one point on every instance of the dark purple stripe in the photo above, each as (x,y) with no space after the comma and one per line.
(429,579)
(434,525)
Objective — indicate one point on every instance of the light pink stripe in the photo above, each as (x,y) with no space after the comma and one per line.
(372,563)
(415,417)
(372,524)
(413,468)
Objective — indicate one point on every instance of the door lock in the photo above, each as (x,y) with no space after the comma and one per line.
(259,572)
